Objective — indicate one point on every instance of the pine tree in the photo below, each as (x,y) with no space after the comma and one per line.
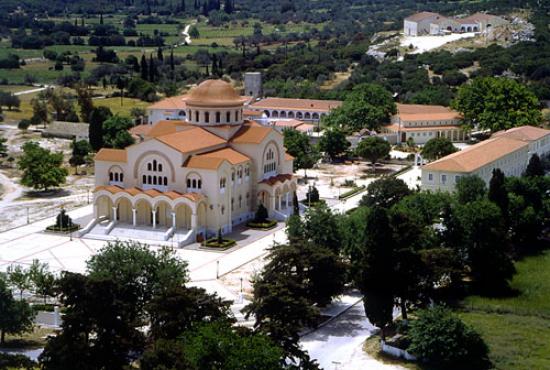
(205,9)
(81,22)
(172,67)
(144,68)
(214,65)
(228,8)
(196,5)
(100,18)
(183,6)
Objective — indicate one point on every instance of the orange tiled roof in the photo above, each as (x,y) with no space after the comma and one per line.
(213,160)
(288,157)
(250,112)
(305,127)
(477,156)
(174,102)
(418,112)
(421,16)
(395,128)
(524,133)
(166,127)
(276,179)
(140,130)
(296,104)
(190,140)
(288,123)
(251,133)
(153,193)
(111,155)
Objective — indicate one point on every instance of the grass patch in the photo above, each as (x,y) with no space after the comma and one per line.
(372,348)
(127,104)
(34,339)
(215,243)
(266,225)
(517,328)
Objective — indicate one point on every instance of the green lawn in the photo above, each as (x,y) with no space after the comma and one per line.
(517,329)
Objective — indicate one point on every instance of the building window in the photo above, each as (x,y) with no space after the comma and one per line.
(228,116)
(207,117)
(430,177)
(457,178)
(240,201)
(444,178)
(196,116)
(218,117)
(236,116)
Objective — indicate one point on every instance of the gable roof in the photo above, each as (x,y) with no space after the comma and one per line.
(421,16)
(524,133)
(166,127)
(296,104)
(111,155)
(251,134)
(174,102)
(190,140)
(418,112)
(476,156)
(213,160)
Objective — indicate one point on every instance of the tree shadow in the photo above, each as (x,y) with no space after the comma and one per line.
(48,194)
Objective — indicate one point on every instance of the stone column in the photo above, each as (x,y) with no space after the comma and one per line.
(96,210)
(114,214)
(273,200)
(134,216)
(287,196)
(154,218)
(174,220)
(194,223)
(280,198)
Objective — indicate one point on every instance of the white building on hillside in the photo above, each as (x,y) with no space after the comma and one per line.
(428,23)
(509,151)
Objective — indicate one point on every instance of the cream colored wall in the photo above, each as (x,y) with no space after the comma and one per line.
(512,164)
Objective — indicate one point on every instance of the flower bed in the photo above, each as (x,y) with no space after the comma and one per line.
(216,243)
(64,230)
(265,225)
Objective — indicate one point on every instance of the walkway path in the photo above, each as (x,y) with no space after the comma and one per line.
(339,344)
(185,34)
(30,91)
(10,191)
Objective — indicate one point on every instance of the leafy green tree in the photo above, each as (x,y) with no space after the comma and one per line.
(367,106)
(297,144)
(441,339)
(470,189)
(95,129)
(321,227)
(180,309)
(385,192)
(312,195)
(295,228)
(18,278)
(334,143)
(437,148)
(42,280)
(372,149)
(16,317)
(84,98)
(41,168)
(40,114)
(97,331)
(141,272)
(218,345)
(476,231)
(497,104)
(534,167)
(9,100)
(80,150)
(115,132)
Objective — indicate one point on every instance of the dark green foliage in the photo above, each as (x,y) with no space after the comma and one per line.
(115,132)
(321,227)
(385,192)
(441,339)
(334,143)
(372,149)
(498,193)
(497,104)
(312,195)
(9,361)
(297,144)
(41,168)
(261,214)
(437,148)
(80,150)
(95,129)
(16,317)
(534,167)
(470,189)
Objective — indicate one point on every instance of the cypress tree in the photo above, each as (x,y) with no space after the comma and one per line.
(183,6)
(160,57)
(144,68)
(228,8)
(152,71)
(214,65)
(205,9)
(172,67)
(100,18)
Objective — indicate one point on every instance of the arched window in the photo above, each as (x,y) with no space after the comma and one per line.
(270,162)
(110,176)
(154,165)
(149,167)
(116,176)
(149,180)
(236,116)
(199,183)
(154,180)
(218,117)
(194,183)
(207,117)
(196,116)
(144,179)
(121,177)
(188,183)
(165,181)
(228,116)
(160,167)
(240,201)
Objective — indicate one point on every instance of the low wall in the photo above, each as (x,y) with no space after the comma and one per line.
(396,352)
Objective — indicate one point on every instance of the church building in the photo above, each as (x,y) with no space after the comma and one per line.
(188,179)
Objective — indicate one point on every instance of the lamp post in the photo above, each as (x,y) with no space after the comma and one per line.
(217,269)
(241,284)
